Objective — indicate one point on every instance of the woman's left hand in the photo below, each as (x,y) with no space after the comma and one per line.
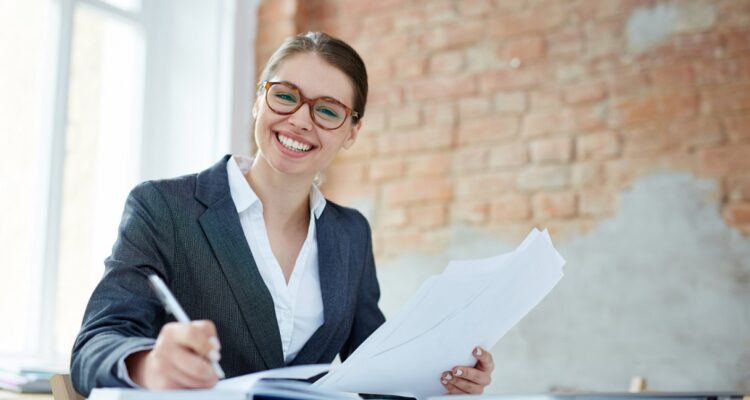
(468,380)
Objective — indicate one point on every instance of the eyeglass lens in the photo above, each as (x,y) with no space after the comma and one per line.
(285,99)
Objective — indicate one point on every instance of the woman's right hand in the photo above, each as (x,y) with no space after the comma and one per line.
(180,359)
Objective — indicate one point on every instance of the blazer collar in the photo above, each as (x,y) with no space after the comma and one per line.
(221,224)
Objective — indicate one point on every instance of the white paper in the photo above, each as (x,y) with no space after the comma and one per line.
(473,303)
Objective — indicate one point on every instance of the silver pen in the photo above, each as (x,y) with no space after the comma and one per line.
(173,307)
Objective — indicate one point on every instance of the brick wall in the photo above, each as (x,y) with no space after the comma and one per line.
(501,115)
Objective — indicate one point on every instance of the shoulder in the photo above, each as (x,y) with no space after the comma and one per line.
(165,191)
(351,219)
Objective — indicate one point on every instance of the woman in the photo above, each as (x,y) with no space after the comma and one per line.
(273,273)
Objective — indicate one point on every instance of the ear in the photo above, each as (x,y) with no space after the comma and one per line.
(353,132)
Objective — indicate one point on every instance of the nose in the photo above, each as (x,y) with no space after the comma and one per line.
(301,118)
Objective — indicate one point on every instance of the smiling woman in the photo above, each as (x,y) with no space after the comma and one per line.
(274,273)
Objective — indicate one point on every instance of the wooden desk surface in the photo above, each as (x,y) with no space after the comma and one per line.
(7,395)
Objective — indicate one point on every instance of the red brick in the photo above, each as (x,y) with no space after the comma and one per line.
(558,150)
(470,211)
(509,155)
(362,149)
(346,171)
(724,159)
(419,190)
(626,83)
(447,62)
(554,205)
(542,19)
(671,75)
(737,214)
(738,187)
(350,193)
(404,117)
(385,95)
(471,107)
(726,98)
(544,177)
(428,216)
(738,127)
(491,129)
(414,66)
(443,88)
(545,98)
(597,202)
(694,132)
(392,217)
(374,119)
(584,93)
(440,115)
(386,169)
(645,140)
(389,46)
(566,42)
(623,172)
(409,141)
(700,45)
(277,9)
(511,78)
(474,8)
(586,174)
(454,35)
(655,106)
(566,120)
(485,186)
(510,102)
(510,208)
(376,24)
(721,71)
(379,70)
(437,12)
(470,158)
(434,164)
(737,42)
(597,146)
(605,37)
(528,48)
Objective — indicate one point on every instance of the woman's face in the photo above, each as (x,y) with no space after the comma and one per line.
(275,134)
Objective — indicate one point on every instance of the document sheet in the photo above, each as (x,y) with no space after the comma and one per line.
(472,303)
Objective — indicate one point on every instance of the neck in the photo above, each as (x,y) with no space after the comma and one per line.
(285,198)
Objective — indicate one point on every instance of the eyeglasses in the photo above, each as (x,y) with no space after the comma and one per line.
(283,98)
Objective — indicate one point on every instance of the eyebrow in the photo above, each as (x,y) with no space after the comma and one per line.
(312,98)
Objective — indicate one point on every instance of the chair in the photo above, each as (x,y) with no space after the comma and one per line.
(62,388)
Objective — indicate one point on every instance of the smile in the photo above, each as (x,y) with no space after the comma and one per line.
(292,144)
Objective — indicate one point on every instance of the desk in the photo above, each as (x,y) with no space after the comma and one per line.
(7,395)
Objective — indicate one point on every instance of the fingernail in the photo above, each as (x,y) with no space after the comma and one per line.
(214,341)
(214,355)
(444,382)
(458,372)
(448,377)
(478,351)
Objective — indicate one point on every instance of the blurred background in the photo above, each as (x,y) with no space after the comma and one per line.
(623,126)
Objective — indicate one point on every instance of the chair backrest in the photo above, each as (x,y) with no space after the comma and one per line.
(62,388)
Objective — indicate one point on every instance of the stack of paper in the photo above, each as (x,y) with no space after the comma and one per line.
(472,303)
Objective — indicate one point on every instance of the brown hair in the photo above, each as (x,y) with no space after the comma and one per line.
(335,52)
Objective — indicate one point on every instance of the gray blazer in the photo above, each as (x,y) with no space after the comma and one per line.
(187,231)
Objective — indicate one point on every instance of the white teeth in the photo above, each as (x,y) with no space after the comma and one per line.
(292,144)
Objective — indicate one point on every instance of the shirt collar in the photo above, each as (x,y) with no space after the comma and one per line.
(243,195)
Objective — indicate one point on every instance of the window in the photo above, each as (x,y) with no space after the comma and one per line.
(95,96)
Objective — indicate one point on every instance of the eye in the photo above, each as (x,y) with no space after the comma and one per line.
(285,97)
(327,112)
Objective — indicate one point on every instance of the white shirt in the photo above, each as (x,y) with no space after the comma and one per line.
(299,304)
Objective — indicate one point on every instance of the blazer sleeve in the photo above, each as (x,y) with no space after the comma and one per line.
(123,314)
(367,317)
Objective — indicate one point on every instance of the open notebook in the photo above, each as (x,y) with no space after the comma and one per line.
(276,384)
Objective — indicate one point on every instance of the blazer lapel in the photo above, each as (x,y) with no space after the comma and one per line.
(222,227)
(333,269)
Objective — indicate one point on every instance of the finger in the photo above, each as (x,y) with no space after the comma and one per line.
(466,386)
(189,335)
(484,359)
(453,389)
(473,375)
(195,370)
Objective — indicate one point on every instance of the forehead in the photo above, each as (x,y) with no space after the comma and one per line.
(315,77)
